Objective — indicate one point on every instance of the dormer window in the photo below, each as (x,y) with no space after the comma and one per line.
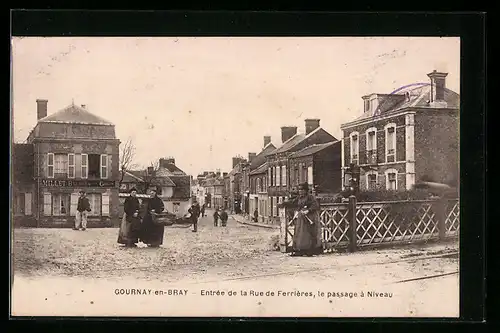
(367,105)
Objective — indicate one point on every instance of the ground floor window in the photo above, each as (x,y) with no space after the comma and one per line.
(371,181)
(95,204)
(60,204)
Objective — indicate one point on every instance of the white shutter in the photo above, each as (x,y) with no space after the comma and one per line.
(105,204)
(47,204)
(71,165)
(27,203)
(74,204)
(85,166)
(50,165)
(283,175)
(104,166)
(310,179)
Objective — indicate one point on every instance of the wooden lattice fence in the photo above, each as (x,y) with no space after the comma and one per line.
(356,225)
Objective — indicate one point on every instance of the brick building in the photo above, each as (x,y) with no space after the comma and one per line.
(405,137)
(278,182)
(73,149)
(318,165)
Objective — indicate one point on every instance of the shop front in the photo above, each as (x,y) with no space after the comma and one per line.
(59,200)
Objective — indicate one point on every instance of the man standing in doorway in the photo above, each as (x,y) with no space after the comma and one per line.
(81,212)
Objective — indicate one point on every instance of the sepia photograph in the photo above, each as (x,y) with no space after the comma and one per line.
(235,176)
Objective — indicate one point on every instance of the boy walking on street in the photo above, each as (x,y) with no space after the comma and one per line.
(82,210)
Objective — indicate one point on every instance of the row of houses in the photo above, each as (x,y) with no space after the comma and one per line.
(72,150)
(400,138)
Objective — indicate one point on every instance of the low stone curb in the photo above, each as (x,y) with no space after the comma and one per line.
(253,224)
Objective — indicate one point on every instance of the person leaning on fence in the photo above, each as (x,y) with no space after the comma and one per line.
(216,217)
(223,217)
(131,223)
(82,210)
(307,229)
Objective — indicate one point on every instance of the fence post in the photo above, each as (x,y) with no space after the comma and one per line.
(352,224)
(283,230)
(441,218)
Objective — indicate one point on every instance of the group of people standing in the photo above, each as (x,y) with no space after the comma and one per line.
(138,224)
(222,215)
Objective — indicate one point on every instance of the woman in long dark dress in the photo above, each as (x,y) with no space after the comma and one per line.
(307,228)
(131,223)
(152,233)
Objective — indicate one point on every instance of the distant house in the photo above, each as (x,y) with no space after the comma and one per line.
(406,136)
(172,184)
(257,175)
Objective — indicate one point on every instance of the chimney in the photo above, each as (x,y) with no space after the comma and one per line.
(41,108)
(267,140)
(438,86)
(287,132)
(150,170)
(218,174)
(251,156)
(84,106)
(224,174)
(311,125)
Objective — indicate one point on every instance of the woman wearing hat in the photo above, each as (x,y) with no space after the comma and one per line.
(306,237)
(152,233)
(131,223)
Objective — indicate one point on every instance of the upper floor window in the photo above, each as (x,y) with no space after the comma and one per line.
(371,140)
(354,139)
(60,165)
(390,143)
(65,165)
(366,105)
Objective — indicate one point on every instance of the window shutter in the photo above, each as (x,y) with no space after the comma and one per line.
(50,165)
(85,166)
(27,204)
(283,175)
(71,165)
(310,179)
(104,166)
(105,204)
(47,204)
(73,204)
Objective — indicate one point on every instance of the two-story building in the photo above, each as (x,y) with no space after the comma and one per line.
(236,192)
(406,136)
(318,165)
(73,150)
(278,183)
(258,181)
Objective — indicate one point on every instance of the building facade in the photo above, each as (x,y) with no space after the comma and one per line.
(73,150)
(278,183)
(406,137)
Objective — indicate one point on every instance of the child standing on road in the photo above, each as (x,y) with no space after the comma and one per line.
(216,217)
(223,217)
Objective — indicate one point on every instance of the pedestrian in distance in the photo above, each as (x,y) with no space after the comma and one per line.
(307,229)
(194,210)
(216,217)
(223,217)
(82,209)
(151,232)
(202,210)
(131,223)
(256,215)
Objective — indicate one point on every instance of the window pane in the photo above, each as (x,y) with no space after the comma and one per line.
(71,159)
(50,159)
(84,159)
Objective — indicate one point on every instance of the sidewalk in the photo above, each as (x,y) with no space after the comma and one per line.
(243,220)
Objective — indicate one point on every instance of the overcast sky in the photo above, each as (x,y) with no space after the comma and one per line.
(205,100)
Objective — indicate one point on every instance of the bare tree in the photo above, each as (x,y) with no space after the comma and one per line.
(127,154)
(149,175)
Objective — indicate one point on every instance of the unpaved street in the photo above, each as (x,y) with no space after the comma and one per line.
(57,269)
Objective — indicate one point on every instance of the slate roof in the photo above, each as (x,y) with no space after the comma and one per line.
(261,157)
(182,189)
(137,176)
(260,170)
(418,97)
(74,114)
(288,144)
(313,149)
